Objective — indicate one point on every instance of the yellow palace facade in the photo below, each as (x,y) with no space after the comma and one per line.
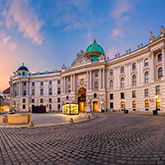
(135,81)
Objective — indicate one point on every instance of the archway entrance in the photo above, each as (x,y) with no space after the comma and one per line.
(82,99)
(95,106)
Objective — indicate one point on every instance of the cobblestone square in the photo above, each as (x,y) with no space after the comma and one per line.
(112,138)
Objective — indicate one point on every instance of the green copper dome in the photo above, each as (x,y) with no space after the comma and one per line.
(94,51)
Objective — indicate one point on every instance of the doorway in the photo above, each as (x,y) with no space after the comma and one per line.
(82,99)
(95,106)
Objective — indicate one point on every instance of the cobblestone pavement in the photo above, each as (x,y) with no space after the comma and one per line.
(112,138)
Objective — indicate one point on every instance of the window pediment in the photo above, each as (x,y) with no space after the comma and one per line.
(134,72)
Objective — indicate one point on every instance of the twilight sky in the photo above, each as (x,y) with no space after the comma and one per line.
(45,34)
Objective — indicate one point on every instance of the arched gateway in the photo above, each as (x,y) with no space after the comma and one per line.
(82,99)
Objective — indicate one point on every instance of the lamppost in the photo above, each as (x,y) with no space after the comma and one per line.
(101,102)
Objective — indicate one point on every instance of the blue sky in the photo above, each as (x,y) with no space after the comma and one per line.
(45,34)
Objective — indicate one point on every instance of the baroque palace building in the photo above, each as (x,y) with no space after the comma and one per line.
(96,82)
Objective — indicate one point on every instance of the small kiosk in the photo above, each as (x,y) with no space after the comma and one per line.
(70,109)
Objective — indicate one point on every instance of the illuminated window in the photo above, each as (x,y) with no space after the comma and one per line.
(147,77)
(159,57)
(50,91)
(111,84)
(134,80)
(122,82)
(122,104)
(160,73)
(41,92)
(146,103)
(134,104)
(111,72)
(122,69)
(158,102)
(133,66)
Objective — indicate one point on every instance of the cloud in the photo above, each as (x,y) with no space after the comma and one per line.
(111,52)
(73,14)
(121,13)
(1,23)
(6,42)
(21,14)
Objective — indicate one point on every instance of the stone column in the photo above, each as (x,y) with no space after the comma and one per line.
(138,72)
(103,78)
(87,81)
(115,79)
(129,73)
(141,73)
(20,88)
(100,80)
(71,83)
(152,66)
(74,83)
(163,60)
(64,84)
(90,80)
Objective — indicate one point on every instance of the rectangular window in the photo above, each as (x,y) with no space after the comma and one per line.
(146,92)
(23,106)
(146,103)
(42,83)
(159,57)
(96,74)
(68,79)
(33,84)
(111,96)
(122,69)
(58,100)
(24,100)
(58,107)
(32,100)
(111,72)
(122,95)
(146,62)
(59,81)
(133,94)
(50,100)
(157,89)
(24,84)
(41,100)
(50,82)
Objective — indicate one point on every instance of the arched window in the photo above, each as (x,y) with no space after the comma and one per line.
(111,72)
(59,90)
(50,91)
(146,103)
(147,77)
(41,92)
(122,69)
(134,104)
(160,73)
(133,66)
(122,82)
(111,84)
(33,92)
(96,85)
(134,80)
(24,92)
(122,104)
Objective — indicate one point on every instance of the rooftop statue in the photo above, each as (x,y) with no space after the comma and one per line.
(162,31)
(152,37)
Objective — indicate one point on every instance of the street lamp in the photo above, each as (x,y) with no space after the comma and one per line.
(101,102)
